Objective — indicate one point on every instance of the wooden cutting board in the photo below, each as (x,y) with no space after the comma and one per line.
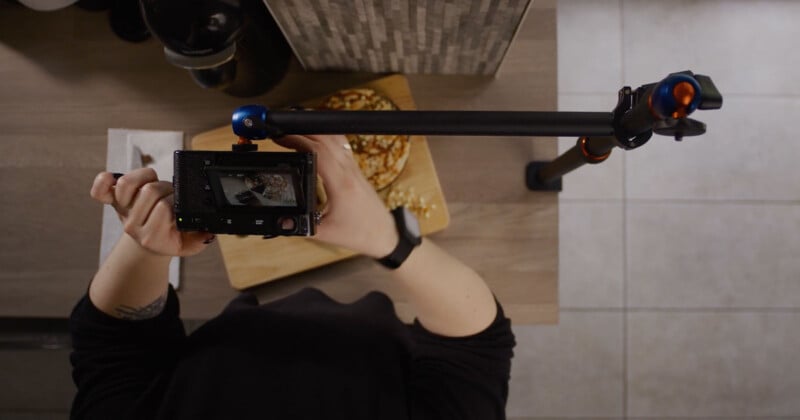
(252,260)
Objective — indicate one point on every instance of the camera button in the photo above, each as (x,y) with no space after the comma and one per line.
(287,224)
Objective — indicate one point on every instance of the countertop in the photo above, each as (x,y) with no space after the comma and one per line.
(65,79)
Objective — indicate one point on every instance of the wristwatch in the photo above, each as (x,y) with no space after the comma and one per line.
(410,237)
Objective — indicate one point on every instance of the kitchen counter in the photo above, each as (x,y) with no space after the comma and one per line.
(65,79)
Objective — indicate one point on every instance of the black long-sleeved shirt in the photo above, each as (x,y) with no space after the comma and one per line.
(305,356)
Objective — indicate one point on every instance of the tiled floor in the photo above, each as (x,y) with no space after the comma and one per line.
(679,262)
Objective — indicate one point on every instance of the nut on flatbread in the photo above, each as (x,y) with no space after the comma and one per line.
(381,158)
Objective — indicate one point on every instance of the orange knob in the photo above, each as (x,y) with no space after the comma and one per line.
(683,92)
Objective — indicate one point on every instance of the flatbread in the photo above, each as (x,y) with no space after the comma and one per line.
(380,157)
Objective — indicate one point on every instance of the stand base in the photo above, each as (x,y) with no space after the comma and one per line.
(532,181)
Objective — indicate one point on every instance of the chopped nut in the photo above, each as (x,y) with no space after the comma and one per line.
(409,199)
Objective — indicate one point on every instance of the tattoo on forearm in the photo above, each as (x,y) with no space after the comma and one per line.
(142,312)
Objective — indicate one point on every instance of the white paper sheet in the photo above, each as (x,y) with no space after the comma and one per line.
(133,149)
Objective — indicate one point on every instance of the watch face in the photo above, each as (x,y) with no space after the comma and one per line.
(411,222)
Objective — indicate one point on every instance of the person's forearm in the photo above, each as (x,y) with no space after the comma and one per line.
(131,283)
(450,298)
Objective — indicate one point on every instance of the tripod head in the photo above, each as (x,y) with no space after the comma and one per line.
(663,108)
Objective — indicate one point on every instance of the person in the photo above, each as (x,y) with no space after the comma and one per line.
(304,356)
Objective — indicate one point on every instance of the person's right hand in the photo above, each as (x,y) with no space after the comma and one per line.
(354,217)
(144,205)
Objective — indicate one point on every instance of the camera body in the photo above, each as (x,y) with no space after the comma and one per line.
(246,193)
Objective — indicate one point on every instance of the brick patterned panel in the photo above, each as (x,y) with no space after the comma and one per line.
(406,36)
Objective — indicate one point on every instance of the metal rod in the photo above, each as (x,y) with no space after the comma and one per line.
(594,150)
(465,123)
(567,162)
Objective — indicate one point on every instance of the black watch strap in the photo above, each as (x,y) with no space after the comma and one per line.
(408,232)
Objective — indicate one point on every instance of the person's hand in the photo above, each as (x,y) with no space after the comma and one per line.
(354,216)
(144,205)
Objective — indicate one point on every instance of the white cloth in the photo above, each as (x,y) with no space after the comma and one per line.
(133,149)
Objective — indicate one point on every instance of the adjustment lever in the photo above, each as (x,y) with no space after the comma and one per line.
(710,98)
(679,128)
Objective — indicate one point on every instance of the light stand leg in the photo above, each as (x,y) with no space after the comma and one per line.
(546,176)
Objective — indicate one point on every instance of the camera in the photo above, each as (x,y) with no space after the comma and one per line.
(246,193)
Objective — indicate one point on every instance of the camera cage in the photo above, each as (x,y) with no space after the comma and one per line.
(203,202)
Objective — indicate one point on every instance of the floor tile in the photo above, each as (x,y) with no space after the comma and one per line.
(713,364)
(567,418)
(600,181)
(591,254)
(747,153)
(570,370)
(746,47)
(713,418)
(713,255)
(589,46)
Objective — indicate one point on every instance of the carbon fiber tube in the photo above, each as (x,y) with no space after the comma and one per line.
(574,158)
(466,123)
(565,163)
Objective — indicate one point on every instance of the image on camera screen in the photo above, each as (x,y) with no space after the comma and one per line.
(259,189)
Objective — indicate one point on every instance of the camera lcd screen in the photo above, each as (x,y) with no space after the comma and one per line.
(259,188)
